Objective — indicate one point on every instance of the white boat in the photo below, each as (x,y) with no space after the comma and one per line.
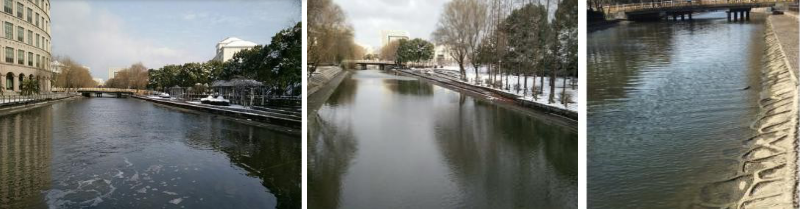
(163,95)
(219,100)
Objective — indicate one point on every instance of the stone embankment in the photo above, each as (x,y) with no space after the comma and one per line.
(766,175)
(280,120)
(491,94)
(322,76)
(321,85)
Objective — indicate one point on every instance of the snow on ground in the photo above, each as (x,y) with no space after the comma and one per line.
(543,98)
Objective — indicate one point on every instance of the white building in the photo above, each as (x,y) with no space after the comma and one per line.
(56,67)
(112,72)
(99,81)
(25,44)
(228,47)
(441,56)
(387,36)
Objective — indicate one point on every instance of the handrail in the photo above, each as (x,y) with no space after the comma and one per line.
(681,3)
(11,99)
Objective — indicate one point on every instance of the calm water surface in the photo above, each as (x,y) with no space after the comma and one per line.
(127,153)
(667,108)
(387,141)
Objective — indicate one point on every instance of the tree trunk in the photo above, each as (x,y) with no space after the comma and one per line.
(553,84)
(564,91)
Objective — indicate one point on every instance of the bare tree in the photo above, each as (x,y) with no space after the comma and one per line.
(330,37)
(459,29)
(74,75)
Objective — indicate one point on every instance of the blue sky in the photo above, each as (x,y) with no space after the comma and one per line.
(103,34)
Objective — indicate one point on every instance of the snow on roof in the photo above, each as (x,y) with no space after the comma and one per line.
(235,42)
(240,43)
(228,40)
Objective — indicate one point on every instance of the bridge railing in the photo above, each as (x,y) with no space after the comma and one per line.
(104,90)
(609,9)
(13,99)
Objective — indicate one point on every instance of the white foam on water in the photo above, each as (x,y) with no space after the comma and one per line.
(128,162)
(119,174)
(176,201)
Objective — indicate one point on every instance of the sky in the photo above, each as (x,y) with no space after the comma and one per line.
(102,34)
(418,17)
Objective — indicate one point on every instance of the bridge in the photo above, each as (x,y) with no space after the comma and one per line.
(98,92)
(738,10)
(363,63)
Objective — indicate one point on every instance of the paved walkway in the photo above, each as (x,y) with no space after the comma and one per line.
(786,28)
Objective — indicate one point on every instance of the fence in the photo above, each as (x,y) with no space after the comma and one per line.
(608,9)
(14,99)
(244,96)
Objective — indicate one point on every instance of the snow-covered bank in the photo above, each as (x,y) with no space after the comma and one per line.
(543,98)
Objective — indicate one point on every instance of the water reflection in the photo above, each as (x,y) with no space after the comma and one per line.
(666,100)
(127,153)
(395,141)
(25,154)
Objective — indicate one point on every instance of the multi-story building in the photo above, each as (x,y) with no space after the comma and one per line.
(228,47)
(25,44)
(112,72)
(441,56)
(387,36)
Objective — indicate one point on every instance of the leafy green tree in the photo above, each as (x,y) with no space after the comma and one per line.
(30,87)
(415,50)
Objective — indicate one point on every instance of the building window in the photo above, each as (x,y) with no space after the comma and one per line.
(8,6)
(30,15)
(9,55)
(37,40)
(20,57)
(20,10)
(30,59)
(9,29)
(20,34)
(30,37)
(37,19)
(38,61)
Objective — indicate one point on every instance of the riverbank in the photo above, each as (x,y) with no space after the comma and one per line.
(600,25)
(278,119)
(786,31)
(26,104)
(767,171)
(494,95)
(322,85)
(322,76)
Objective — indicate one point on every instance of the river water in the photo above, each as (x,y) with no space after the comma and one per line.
(669,107)
(128,153)
(388,141)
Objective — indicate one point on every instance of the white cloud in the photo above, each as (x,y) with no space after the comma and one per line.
(98,39)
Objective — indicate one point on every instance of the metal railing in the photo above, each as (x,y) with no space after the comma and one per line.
(104,90)
(14,99)
(608,9)
(247,96)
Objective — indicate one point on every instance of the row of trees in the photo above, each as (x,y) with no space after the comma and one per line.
(134,77)
(330,35)
(73,75)
(512,37)
(277,65)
